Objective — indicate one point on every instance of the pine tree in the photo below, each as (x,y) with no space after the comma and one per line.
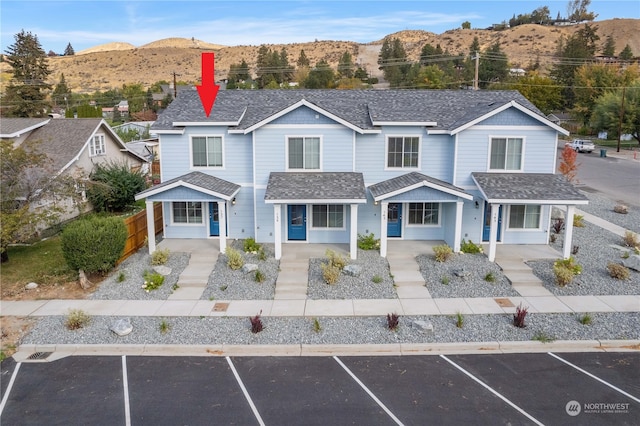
(609,48)
(303,61)
(26,92)
(61,93)
(345,66)
(626,54)
(69,50)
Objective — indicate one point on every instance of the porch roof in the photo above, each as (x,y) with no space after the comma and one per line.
(527,188)
(410,181)
(197,181)
(323,187)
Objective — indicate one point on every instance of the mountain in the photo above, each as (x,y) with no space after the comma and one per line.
(114,64)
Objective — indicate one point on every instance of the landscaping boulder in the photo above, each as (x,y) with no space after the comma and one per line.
(249,267)
(461,273)
(632,262)
(621,208)
(31,286)
(422,326)
(162,270)
(122,327)
(352,270)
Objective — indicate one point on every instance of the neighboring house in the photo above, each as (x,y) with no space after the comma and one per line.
(73,145)
(141,127)
(322,166)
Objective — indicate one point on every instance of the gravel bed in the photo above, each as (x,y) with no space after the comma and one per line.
(125,282)
(463,276)
(356,330)
(594,253)
(603,207)
(348,287)
(228,284)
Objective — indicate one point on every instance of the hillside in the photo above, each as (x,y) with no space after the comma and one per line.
(114,64)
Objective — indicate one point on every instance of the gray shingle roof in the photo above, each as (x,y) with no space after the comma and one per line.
(11,127)
(201,180)
(401,182)
(284,186)
(361,108)
(527,187)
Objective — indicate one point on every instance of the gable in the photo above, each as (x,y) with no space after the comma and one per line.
(423,194)
(510,117)
(303,115)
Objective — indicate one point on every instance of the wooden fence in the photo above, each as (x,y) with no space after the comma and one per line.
(137,230)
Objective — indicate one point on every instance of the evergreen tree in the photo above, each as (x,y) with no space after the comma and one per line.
(609,48)
(393,62)
(345,66)
(61,94)
(273,67)
(320,77)
(69,50)
(626,54)
(303,61)
(494,66)
(26,92)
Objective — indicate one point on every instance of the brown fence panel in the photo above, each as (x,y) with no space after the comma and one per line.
(137,230)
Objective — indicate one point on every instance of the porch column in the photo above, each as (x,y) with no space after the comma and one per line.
(353,237)
(493,231)
(222,218)
(457,236)
(384,208)
(568,231)
(151,227)
(277,230)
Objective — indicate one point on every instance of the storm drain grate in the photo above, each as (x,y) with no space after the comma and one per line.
(39,356)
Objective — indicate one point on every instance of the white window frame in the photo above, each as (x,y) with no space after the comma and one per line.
(422,225)
(187,223)
(303,137)
(327,227)
(207,167)
(97,145)
(403,167)
(524,227)
(504,169)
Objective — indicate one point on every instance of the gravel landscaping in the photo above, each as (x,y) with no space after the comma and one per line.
(602,207)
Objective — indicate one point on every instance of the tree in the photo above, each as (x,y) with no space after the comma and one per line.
(69,50)
(27,90)
(28,181)
(541,91)
(320,77)
(568,165)
(393,61)
(112,187)
(273,66)
(135,96)
(577,11)
(345,66)
(626,54)
(493,67)
(61,93)
(303,61)
(466,25)
(609,48)
(610,115)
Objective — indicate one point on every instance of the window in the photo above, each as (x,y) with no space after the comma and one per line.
(524,217)
(207,151)
(187,212)
(506,154)
(96,146)
(304,153)
(403,151)
(424,213)
(328,216)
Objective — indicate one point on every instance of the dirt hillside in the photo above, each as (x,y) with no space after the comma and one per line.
(114,64)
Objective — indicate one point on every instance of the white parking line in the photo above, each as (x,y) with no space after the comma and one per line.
(6,394)
(594,377)
(125,385)
(490,389)
(354,377)
(245,392)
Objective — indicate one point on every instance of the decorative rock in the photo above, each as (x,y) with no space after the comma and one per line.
(621,208)
(461,273)
(162,270)
(31,286)
(632,262)
(249,267)
(122,327)
(422,326)
(352,270)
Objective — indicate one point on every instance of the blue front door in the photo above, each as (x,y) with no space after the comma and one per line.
(394,220)
(297,226)
(214,220)
(486,230)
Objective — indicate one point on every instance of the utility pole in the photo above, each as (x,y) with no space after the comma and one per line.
(620,120)
(175,86)
(475,79)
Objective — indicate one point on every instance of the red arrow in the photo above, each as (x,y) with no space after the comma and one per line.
(209,89)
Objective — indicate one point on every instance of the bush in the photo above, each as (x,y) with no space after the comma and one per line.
(330,273)
(631,239)
(569,263)
(578,221)
(259,276)
(94,244)
(393,321)
(335,259)
(234,258)
(443,252)
(470,247)
(160,257)
(519,316)
(76,319)
(368,242)
(250,246)
(256,323)
(152,281)
(557,225)
(564,276)
(113,186)
(618,271)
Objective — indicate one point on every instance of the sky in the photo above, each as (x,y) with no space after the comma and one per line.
(86,24)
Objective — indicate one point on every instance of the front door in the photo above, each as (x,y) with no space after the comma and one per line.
(297,226)
(486,230)
(394,220)
(214,220)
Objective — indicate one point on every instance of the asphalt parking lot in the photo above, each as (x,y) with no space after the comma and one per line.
(543,388)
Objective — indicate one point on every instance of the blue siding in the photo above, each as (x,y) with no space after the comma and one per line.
(181,194)
(303,115)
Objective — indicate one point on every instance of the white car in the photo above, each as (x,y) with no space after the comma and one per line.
(581,145)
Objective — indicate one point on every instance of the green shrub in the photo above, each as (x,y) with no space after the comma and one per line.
(259,276)
(152,281)
(250,246)
(569,263)
(335,259)
(443,252)
(618,271)
(234,258)
(563,275)
(490,277)
(113,186)
(368,242)
(377,279)
(94,244)
(160,257)
(330,273)
(578,221)
(585,319)
(631,239)
(77,318)
(470,247)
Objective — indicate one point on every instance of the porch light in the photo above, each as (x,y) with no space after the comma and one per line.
(477,205)
(233,201)
(375,202)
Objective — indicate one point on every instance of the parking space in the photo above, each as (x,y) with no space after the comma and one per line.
(409,390)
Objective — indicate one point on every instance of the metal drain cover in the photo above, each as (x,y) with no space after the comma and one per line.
(39,356)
